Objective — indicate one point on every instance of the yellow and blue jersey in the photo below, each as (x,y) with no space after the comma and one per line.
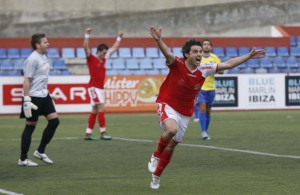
(209,83)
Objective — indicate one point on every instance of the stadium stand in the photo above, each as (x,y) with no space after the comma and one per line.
(152,52)
(177,51)
(146,63)
(138,52)
(270,52)
(231,52)
(53,53)
(25,52)
(80,53)
(279,63)
(13,53)
(118,63)
(295,51)
(266,63)
(6,65)
(283,51)
(291,62)
(124,52)
(243,50)
(132,64)
(68,53)
(219,51)
(3,54)
(253,63)
(18,64)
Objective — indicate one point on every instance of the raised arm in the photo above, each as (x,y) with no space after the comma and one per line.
(156,34)
(116,45)
(87,50)
(239,60)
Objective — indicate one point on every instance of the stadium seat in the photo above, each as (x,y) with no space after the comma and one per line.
(3,54)
(146,63)
(18,64)
(291,62)
(118,63)
(59,65)
(138,72)
(80,53)
(108,65)
(266,63)
(253,63)
(286,70)
(25,52)
(279,63)
(261,70)
(13,73)
(152,72)
(6,65)
(124,52)
(132,64)
(53,53)
(243,50)
(274,70)
(152,52)
(219,51)
(283,51)
(231,52)
(177,51)
(295,51)
(13,53)
(65,72)
(234,71)
(159,63)
(293,41)
(164,71)
(94,51)
(68,53)
(248,71)
(112,73)
(270,52)
(298,41)
(54,72)
(138,52)
(125,73)
(243,65)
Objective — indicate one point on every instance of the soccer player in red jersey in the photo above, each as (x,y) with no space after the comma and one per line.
(175,102)
(97,71)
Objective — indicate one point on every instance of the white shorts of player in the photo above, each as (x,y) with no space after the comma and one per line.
(165,112)
(96,95)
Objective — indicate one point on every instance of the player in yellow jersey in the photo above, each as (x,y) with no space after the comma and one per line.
(207,94)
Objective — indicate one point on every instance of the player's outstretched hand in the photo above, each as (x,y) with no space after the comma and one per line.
(156,34)
(257,53)
(27,106)
(88,30)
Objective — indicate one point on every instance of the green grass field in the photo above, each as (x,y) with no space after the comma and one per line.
(250,153)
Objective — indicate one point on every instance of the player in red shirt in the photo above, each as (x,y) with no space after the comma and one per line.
(177,96)
(97,70)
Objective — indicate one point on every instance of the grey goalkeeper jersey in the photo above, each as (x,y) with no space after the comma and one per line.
(37,68)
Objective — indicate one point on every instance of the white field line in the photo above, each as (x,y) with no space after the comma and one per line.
(182,144)
(8,192)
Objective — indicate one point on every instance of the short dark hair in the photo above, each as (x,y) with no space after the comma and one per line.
(207,41)
(36,38)
(187,46)
(101,47)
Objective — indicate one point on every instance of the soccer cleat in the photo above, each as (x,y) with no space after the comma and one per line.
(153,164)
(196,120)
(27,163)
(89,137)
(155,182)
(205,136)
(42,157)
(105,136)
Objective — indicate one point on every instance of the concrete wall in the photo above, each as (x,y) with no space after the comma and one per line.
(69,18)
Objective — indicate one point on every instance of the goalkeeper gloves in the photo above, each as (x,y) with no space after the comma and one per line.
(27,106)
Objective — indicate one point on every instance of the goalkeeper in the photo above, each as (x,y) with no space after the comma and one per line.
(37,101)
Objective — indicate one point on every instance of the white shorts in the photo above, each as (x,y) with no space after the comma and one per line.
(96,95)
(165,112)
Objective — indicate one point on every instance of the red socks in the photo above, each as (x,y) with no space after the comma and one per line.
(163,162)
(161,146)
(92,120)
(101,119)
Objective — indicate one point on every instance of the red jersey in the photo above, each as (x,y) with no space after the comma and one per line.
(97,71)
(181,86)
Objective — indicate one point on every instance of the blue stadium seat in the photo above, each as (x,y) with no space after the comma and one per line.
(80,53)
(59,65)
(159,63)
(243,65)
(138,72)
(261,70)
(266,63)
(125,73)
(68,53)
(18,64)
(279,63)
(112,73)
(6,65)
(118,63)
(152,52)
(295,51)
(3,54)
(231,52)
(94,51)
(54,72)
(25,52)
(293,41)
(152,72)
(286,70)
(132,64)
(270,52)
(13,73)
(13,53)
(274,70)
(177,51)
(219,51)
(146,63)
(124,52)
(291,62)
(65,72)
(138,52)
(283,51)
(108,64)
(234,71)
(248,71)
(253,63)
(53,53)
(298,41)
(243,50)
(164,71)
